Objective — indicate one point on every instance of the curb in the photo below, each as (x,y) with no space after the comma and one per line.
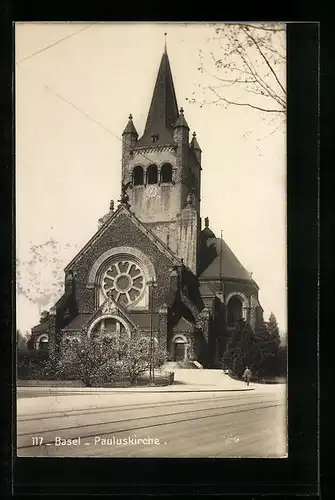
(88,390)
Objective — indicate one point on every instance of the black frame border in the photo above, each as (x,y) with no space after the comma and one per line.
(299,473)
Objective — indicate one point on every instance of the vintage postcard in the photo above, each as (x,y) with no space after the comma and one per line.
(151,240)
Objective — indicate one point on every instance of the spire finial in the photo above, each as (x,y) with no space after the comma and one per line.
(165,45)
(194,134)
(206,222)
(181,111)
(130,116)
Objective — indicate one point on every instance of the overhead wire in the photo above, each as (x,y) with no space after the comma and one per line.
(50,89)
(87,115)
(53,44)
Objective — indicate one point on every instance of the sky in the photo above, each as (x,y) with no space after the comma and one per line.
(76,84)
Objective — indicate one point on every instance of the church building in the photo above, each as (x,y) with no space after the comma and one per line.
(153,264)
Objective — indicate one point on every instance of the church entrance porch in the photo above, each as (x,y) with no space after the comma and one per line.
(179,346)
(179,352)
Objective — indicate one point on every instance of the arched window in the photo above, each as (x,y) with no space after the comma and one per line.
(234,313)
(43,343)
(152,174)
(109,328)
(166,173)
(138,177)
(179,348)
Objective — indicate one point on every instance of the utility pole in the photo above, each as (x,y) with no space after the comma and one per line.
(221,287)
(218,349)
(152,285)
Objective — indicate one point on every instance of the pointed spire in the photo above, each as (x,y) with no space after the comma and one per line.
(163,111)
(130,128)
(181,122)
(194,142)
(165,45)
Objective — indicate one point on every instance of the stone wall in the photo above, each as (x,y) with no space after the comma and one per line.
(122,232)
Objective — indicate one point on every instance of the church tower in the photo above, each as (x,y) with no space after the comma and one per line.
(162,171)
(149,268)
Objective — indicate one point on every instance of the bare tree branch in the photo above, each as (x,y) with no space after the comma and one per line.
(250,57)
(260,80)
(247,104)
(256,26)
(265,59)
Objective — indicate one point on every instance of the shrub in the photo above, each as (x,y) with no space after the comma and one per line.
(102,360)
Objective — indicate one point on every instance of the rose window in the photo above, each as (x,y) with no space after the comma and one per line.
(124,282)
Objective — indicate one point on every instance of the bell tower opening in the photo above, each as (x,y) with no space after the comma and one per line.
(152,174)
(138,176)
(166,163)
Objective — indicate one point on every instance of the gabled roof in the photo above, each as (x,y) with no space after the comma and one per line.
(163,112)
(182,325)
(142,320)
(41,327)
(78,322)
(230,265)
(122,209)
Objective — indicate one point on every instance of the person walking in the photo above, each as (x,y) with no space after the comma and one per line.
(247,375)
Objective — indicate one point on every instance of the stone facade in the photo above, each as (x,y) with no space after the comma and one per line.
(150,265)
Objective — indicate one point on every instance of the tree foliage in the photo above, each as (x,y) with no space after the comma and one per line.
(96,361)
(273,329)
(40,277)
(260,350)
(136,359)
(90,360)
(267,351)
(240,349)
(21,340)
(33,364)
(245,66)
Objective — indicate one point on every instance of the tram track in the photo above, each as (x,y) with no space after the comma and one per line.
(138,423)
(128,407)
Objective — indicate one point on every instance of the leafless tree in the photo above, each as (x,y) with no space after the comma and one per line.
(40,277)
(245,66)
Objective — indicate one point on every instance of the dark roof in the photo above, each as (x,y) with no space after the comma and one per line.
(42,327)
(142,320)
(194,142)
(163,112)
(207,233)
(182,325)
(78,322)
(230,265)
(130,128)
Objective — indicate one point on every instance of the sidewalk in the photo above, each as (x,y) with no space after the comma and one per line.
(106,390)
(185,381)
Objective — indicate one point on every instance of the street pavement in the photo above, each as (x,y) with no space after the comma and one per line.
(208,415)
